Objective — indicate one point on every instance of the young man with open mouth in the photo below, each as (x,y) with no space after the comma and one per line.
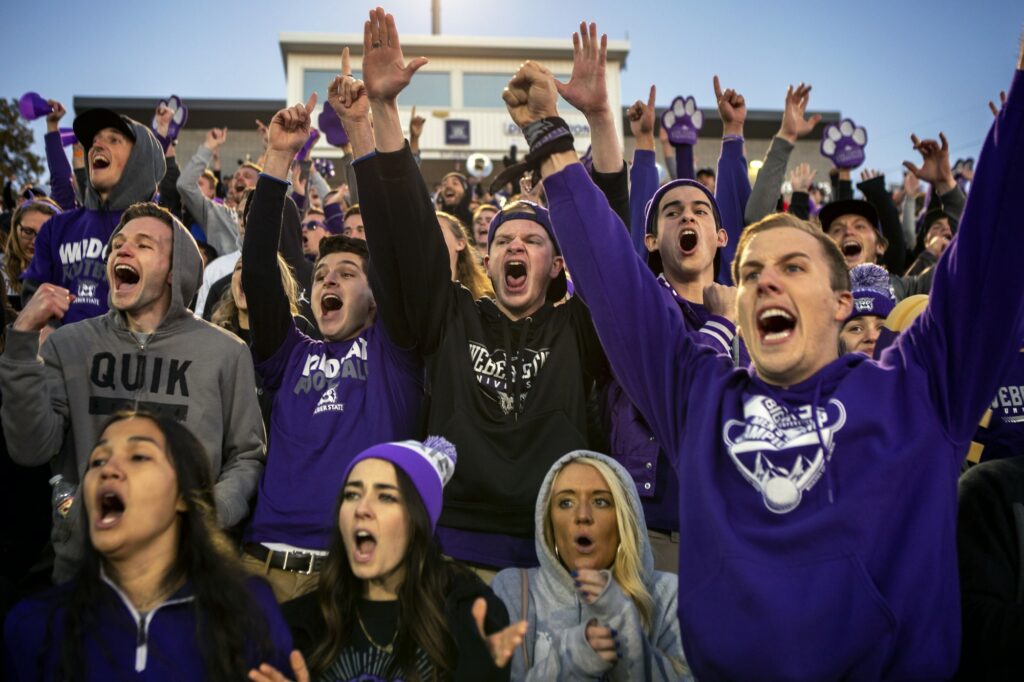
(509,377)
(335,397)
(148,351)
(817,492)
(124,164)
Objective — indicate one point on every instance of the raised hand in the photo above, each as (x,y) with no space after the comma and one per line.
(415,124)
(164,114)
(869,174)
(732,108)
(911,185)
(603,640)
(50,302)
(991,104)
(794,123)
(801,177)
(531,94)
(641,121)
(289,129)
(54,117)
(720,300)
(261,130)
(589,583)
(587,89)
(268,673)
(215,138)
(384,69)
(501,644)
(347,95)
(935,168)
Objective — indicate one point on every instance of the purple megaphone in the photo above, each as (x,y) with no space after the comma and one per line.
(33,106)
(314,135)
(67,137)
(331,126)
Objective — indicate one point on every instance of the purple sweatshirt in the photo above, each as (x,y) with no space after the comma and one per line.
(122,643)
(818,521)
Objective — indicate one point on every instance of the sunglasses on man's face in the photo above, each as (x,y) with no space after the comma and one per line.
(313,224)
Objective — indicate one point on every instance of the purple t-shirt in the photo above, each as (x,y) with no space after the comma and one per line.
(334,400)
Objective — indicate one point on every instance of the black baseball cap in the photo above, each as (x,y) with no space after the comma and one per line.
(89,123)
(831,211)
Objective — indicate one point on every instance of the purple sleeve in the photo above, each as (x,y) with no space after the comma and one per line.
(334,218)
(628,308)
(300,201)
(684,162)
(643,183)
(61,188)
(971,331)
(732,189)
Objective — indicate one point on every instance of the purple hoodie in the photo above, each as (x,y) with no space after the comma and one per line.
(818,521)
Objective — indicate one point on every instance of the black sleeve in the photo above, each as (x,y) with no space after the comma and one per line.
(924,261)
(407,250)
(841,189)
(169,197)
(895,258)
(800,205)
(291,246)
(269,314)
(213,297)
(475,662)
(306,622)
(615,187)
(988,539)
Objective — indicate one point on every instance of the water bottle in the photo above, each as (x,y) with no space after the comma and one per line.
(63,498)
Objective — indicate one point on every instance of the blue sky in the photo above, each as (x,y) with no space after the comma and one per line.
(895,67)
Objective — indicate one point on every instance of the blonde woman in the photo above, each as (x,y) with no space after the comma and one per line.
(595,606)
(463,257)
(232,311)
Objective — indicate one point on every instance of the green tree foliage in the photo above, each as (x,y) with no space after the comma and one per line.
(16,157)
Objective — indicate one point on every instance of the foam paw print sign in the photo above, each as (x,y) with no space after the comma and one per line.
(844,143)
(683,120)
(178,118)
(330,125)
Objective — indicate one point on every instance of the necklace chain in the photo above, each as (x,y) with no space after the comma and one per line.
(390,648)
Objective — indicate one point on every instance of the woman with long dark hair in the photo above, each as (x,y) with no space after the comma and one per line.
(26,222)
(389,605)
(160,592)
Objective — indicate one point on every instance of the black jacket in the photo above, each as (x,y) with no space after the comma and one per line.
(508,427)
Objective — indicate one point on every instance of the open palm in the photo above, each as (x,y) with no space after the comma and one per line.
(385,72)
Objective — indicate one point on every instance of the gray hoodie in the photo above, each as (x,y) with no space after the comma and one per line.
(55,405)
(557,619)
(142,173)
(217,220)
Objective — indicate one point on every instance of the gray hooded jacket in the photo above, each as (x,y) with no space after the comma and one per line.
(55,405)
(142,173)
(217,220)
(556,642)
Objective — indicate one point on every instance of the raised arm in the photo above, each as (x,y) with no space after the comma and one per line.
(875,192)
(643,175)
(269,314)
(627,304)
(61,187)
(765,193)
(221,231)
(963,347)
(402,231)
(732,188)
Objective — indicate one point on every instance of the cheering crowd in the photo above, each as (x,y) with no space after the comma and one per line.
(577,425)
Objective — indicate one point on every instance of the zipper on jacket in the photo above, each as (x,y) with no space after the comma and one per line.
(141,650)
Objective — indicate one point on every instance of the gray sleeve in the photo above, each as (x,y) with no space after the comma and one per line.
(350,179)
(245,441)
(765,192)
(909,219)
(911,285)
(216,219)
(655,657)
(319,184)
(35,408)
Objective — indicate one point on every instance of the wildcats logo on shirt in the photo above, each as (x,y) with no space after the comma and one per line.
(329,400)
(490,368)
(780,452)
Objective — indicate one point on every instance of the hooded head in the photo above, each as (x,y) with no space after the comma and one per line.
(124,156)
(937,222)
(684,230)
(153,264)
(523,260)
(587,500)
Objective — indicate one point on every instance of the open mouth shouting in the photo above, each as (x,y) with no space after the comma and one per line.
(99,160)
(125,277)
(584,544)
(515,276)
(111,510)
(364,547)
(851,249)
(775,325)
(330,303)
(688,241)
